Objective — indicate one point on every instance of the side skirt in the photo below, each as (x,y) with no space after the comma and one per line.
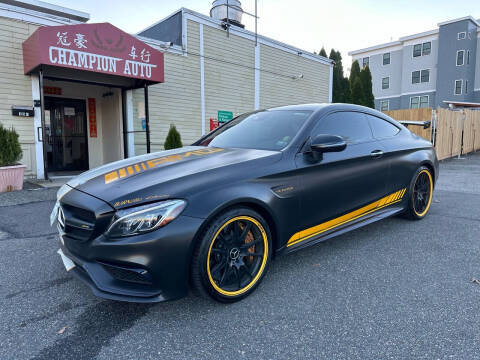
(365,220)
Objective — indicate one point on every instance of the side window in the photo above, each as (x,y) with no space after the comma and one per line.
(426,48)
(352,126)
(417,50)
(382,128)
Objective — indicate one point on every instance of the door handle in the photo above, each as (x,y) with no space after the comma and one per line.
(376,153)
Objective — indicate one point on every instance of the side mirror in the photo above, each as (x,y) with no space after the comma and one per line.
(328,143)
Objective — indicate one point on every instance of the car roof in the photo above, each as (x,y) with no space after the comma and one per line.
(301,107)
(323,108)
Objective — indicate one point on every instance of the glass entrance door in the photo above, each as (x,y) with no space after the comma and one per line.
(66,132)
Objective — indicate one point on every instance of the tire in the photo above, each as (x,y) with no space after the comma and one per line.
(420,194)
(225,266)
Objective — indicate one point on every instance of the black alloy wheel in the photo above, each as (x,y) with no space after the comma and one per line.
(233,256)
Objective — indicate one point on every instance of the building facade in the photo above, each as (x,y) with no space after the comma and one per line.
(94,115)
(430,69)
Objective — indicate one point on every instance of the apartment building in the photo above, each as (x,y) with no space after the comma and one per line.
(435,68)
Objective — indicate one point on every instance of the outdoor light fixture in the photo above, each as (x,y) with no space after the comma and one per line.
(166,45)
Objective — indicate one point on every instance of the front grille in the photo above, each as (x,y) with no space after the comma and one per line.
(76,223)
(81,224)
(139,276)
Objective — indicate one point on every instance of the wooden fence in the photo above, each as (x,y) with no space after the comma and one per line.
(453,132)
(471,134)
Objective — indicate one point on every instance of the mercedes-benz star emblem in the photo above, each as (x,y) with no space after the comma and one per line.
(234,254)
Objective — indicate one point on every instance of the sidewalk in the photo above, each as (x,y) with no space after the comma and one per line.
(28,195)
(33,191)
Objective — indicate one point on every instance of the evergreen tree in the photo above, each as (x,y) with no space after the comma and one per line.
(354,72)
(323,52)
(173,140)
(10,149)
(356,95)
(341,88)
(357,92)
(366,79)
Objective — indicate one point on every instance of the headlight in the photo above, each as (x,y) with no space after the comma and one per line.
(142,219)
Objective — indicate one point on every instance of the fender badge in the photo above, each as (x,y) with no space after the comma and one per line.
(283,190)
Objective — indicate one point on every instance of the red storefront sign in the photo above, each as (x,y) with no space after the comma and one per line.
(52,90)
(92,117)
(101,48)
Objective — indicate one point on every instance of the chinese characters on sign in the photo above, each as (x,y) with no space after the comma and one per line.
(145,55)
(92,61)
(98,48)
(62,39)
(92,117)
(80,41)
(132,54)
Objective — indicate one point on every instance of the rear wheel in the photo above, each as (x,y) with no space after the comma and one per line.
(232,256)
(421,193)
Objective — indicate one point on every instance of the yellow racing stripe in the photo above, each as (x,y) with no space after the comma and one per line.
(331,224)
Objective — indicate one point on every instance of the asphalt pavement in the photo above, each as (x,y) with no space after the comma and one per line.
(395,289)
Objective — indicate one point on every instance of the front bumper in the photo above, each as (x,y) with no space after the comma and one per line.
(151,267)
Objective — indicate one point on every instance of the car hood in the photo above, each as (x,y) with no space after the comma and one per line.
(164,174)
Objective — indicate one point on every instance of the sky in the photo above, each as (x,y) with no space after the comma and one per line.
(345,25)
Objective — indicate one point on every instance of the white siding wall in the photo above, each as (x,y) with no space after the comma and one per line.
(176,101)
(15,87)
(277,86)
(230,80)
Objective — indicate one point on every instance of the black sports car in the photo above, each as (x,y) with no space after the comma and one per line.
(211,216)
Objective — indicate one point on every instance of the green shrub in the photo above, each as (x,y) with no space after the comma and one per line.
(173,140)
(10,150)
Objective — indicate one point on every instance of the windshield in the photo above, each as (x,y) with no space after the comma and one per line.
(265,130)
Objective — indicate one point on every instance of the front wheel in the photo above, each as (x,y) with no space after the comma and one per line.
(421,193)
(232,256)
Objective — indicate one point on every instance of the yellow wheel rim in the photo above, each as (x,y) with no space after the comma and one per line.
(425,196)
(259,272)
